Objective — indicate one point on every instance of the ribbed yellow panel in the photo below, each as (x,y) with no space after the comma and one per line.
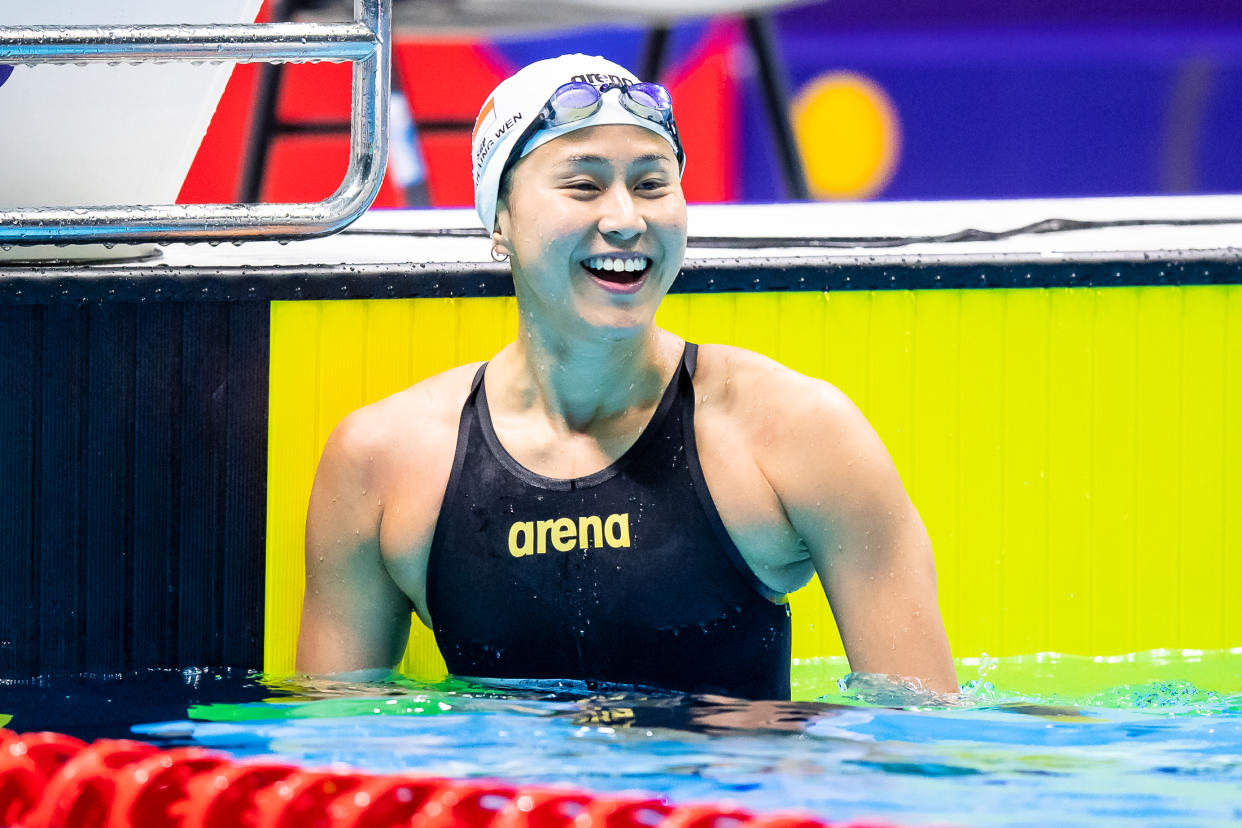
(1230,462)
(1113,473)
(1073,452)
(1200,596)
(292,446)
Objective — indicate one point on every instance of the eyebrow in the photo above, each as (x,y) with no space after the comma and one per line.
(586,159)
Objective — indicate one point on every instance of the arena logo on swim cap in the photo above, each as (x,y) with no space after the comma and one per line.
(596,79)
(5,72)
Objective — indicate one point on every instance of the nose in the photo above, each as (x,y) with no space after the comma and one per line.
(620,217)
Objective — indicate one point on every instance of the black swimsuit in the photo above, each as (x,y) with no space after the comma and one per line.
(626,575)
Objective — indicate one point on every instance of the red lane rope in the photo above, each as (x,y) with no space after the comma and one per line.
(49,780)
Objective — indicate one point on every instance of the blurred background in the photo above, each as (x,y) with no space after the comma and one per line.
(904,100)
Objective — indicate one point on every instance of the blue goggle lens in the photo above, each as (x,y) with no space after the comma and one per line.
(572,102)
(651,95)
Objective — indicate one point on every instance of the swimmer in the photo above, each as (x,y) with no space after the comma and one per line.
(603,501)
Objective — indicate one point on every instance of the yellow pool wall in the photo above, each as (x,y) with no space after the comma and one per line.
(1074,452)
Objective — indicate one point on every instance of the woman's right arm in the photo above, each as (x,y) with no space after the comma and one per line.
(355,619)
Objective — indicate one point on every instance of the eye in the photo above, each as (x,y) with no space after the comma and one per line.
(581,185)
(650,184)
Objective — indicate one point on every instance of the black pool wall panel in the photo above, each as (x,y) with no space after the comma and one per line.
(133,476)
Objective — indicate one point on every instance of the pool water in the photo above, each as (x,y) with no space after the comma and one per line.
(1149,739)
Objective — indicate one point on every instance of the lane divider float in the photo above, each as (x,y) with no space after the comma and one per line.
(50,780)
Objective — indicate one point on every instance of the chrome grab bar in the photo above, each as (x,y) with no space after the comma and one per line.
(365,42)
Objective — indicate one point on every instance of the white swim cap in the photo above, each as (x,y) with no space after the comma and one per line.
(518,99)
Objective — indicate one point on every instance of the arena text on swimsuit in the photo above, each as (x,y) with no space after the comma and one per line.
(531,537)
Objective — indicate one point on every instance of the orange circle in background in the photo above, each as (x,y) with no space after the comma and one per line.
(848,135)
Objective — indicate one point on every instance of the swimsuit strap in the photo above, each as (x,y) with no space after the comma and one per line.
(478,379)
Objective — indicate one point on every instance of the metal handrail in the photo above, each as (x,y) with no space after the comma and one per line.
(365,42)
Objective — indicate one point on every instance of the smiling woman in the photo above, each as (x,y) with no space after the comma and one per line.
(605,200)
(602,500)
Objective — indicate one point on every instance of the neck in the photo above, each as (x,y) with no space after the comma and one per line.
(587,382)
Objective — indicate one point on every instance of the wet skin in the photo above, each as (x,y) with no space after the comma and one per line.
(595,226)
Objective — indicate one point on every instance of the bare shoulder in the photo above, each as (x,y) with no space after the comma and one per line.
(761,393)
(416,423)
(804,434)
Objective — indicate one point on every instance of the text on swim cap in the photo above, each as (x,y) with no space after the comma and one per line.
(489,143)
(530,537)
(596,79)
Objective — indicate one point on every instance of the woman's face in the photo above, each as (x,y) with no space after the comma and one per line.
(595,225)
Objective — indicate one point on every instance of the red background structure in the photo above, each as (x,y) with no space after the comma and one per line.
(444,81)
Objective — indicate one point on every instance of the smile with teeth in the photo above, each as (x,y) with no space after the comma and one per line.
(623,269)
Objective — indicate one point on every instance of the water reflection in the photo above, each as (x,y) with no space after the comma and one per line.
(701,714)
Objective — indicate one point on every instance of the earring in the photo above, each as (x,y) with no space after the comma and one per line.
(499,255)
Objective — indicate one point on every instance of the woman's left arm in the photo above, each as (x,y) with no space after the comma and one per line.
(844,497)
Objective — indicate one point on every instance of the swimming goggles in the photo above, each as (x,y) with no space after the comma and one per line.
(577,100)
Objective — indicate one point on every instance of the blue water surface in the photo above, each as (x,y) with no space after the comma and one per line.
(1165,751)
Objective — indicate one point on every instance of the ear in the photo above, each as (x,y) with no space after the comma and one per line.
(500,242)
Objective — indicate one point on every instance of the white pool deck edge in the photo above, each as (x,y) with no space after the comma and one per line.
(1209,242)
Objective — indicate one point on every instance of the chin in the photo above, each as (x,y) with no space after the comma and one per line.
(621,317)
(618,326)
